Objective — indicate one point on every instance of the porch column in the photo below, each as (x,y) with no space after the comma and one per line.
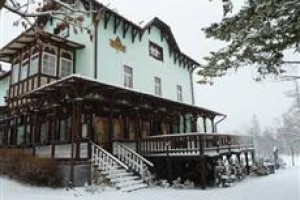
(53,132)
(202,163)
(247,162)
(184,123)
(212,124)
(35,130)
(204,124)
(78,127)
(194,123)
(110,127)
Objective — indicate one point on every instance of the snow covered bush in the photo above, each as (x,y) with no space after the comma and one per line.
(30,169)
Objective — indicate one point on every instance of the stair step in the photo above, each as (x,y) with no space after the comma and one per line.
(134,187)
(117,175)
(124,178)
(129,183)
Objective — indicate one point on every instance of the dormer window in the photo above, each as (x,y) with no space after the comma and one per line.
(66,64)
(49,61)
(156,51)
(34,62)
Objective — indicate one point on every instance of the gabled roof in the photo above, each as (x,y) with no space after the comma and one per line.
(161,25)
(27,37)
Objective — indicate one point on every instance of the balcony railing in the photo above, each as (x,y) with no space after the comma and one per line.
(193,144)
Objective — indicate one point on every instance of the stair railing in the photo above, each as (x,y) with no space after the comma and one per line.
(105,161)
(133,160)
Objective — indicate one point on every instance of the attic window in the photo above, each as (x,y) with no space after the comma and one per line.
(156,51)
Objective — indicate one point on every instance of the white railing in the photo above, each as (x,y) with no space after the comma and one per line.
(106,162)
(132,159)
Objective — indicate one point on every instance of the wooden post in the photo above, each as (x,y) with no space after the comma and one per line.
(53,133)
(213,125)
(204,124)
(78,128)
(35,131)
(202,163)
(247,162)
(73,132)
(184,124)
(169,163)
(110,128)
(194,127)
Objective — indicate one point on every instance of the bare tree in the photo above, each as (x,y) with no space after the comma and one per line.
(67,11)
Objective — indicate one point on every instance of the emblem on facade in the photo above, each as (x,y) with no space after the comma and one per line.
(117,44)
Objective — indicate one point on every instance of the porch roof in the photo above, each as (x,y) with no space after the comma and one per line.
(29,36)
(87,86)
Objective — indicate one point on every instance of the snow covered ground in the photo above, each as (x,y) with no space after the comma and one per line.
(284,185)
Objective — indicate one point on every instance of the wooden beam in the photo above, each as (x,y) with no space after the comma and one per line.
(125,28)
(117,22)
(107,16)
(134,33)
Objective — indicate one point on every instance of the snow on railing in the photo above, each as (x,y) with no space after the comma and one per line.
(132,159)
(105,161)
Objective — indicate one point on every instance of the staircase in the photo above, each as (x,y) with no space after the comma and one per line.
(127,171)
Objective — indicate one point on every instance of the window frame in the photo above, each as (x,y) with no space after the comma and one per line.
(60,68)
(157,86)
(15,69)
(33,57)
(128,77)
(21,69)
(55,61)
(159,49)
(179,93)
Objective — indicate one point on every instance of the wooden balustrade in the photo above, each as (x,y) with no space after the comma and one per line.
(192,144)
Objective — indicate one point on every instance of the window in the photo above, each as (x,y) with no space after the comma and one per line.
(64,130)
(157,84)
(179,93)
(128,77)
(155,51)
(66,64)
(24,69)
(15,73)
(49,61)
(34,64)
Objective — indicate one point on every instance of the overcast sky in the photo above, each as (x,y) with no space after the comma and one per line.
(235,95)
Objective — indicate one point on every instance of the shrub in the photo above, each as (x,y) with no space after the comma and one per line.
(30,169)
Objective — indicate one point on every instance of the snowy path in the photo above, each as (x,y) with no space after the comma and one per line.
(284,185)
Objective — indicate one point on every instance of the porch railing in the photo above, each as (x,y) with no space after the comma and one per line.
(132,159)
(193,144)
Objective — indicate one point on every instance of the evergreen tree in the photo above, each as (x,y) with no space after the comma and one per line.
(258,33)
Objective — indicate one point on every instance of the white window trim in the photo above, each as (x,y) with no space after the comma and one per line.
(60,64)
(55,64)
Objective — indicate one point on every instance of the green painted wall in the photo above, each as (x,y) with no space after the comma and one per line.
(4,84)
(111,62)
(145,68)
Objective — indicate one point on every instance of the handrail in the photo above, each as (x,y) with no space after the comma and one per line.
(195,134)
(136,154)
(110,156)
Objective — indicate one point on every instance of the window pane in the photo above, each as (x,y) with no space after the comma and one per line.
(15,73)
(24,70)
(128,77)
(155,51)
(49,64)
(179,93)
(66,67)
(34,65)
(158,89)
